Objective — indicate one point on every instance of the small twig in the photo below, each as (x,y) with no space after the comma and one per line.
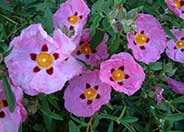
(89,124)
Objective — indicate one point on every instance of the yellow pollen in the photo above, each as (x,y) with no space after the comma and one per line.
(73,20)
(141,39)
(180,44)
(44,60)
(177,3)
(118,75)
(86,49)
(1,105)
(90,93)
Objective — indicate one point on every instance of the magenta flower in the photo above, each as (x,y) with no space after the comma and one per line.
(86,94)
(89,55)
(122,73)
(176,86)
(176,6)
(149,39)
(159,96)
(175,49)
(10,121)
(39,63)
(73,14)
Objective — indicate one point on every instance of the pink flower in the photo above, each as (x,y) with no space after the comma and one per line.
(175,50)
(149,39)
(176,86)
(159,96)
(73,14)
(39,63)
(122,73)
(87,54)
(10,121)
(86,94)
(176,6)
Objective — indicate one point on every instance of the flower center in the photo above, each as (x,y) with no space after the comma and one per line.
(44,60)
(177,3)
(118,75)
(180,44)
(141,39)
(73,20)
(86,49)
(90,93)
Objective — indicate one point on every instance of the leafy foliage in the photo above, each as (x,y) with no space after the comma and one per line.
(136,113)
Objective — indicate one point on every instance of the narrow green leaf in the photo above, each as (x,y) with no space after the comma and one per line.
(73,127)
(174,117)
(170,33)
(96,39)
(48,122)
(129,119)
(48,25)
(106,116)
(20,128)
(156,66)
(178,100)
(51,114)
(130,128)
(114,43)
(9,94)
(110,128)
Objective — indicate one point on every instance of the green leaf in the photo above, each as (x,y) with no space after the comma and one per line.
(129,119)
(48,122)
(178,100)
(9,94)
(156,66)
(96,39)
(173,117)
(114,43)
(20,128)
(110,128)
(169,33)
(48,25)
(6,53)
(73,127)
(106,116)
(95,23)
(130,128)
(51,114)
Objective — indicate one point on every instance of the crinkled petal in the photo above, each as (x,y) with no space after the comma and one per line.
(67,9)
(131,68)
(156,43)
(77,86)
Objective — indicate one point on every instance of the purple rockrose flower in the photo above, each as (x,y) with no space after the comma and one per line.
(91,56)
(175,49)
(39,63)
(176,86)
(122,73)
(73,14)
(148,41)
(86,94)
(10,121)
(176,6)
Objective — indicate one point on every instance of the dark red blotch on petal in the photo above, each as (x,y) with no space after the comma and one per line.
(2,114)
(56,56)
(33,56)
(36,69)
(50,71)
(44,48)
